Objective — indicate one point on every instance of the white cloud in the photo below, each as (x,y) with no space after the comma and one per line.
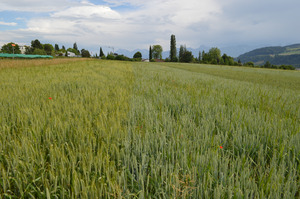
(8,23)
(35,5)
(88,11)
(142,23)
(135,3)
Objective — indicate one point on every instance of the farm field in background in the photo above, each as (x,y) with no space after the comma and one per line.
(109,129)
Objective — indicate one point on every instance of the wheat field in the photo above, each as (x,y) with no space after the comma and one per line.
(108,129)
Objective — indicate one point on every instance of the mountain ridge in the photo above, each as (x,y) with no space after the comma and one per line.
(276,55)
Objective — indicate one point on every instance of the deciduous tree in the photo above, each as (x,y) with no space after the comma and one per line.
(185,55)
(48,48)
(11,48)
(214,55)
(85,53)
(182,49)
(38,51)
(36,44)
(137,55)
(157,51)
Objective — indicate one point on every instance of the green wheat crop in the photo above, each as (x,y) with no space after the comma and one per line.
(108,129)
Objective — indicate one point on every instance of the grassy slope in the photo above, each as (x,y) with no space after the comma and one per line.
(288,55)
(149,130)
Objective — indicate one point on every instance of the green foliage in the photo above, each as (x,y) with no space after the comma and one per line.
(56,47)
(37,48)
(173,50)
(185,55)
(36,44)
(227,60)
(76,48)
(110,57)
(137,55)
(200,57)
(251,64)
(267,65)
(122,58)
(167,60)
(214,55)
(38,51)
(101,52)
(48,49)
(286,67)
(182,49)
(150,53)
(85,53)
(28,50)
(10,49)
(73,51)
(157,51)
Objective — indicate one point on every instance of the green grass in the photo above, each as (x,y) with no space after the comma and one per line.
(149,130)
(274,78)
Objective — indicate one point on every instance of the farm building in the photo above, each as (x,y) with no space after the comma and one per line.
(71,54)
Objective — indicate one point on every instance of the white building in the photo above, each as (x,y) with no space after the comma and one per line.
(22,49)
(70,54)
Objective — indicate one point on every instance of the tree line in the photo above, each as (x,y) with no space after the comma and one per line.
(114,56)
(213,56)
(37,48)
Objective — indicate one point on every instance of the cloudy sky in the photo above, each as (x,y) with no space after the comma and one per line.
(136,24)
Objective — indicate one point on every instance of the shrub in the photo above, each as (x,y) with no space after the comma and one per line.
(137,55)
(110,57)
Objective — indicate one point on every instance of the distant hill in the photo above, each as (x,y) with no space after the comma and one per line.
(277,55)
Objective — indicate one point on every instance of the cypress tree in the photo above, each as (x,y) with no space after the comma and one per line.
(173,50)
(203,56)
(200,57)
(76,48)
(101,52)
(182,50)
(150,53)
(56,47)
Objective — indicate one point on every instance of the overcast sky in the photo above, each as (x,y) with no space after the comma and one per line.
(136,24)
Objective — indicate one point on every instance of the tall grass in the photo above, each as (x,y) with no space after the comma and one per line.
(21,63)
(60,147)
(187,116)
(147,130)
